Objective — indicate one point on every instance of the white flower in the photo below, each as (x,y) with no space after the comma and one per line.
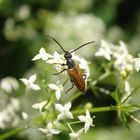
(64,111)
(24,115)
(39,105)
(49,131)
(3,119)
(8,84)
(104,50)
(15,104)
(29,83)
(121,55)
(23,12)
(87,120)
(8,116)
(42,55)
(76,135)
(57,60)
(136,62)
(57,88)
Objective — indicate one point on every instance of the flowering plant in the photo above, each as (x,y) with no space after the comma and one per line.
(56,111)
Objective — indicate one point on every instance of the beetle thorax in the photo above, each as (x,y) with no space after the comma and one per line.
(69,61)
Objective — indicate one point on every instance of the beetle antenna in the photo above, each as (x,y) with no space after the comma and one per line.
(57,43)
(82,46)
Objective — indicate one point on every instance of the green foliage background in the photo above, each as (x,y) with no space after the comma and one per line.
(18,47)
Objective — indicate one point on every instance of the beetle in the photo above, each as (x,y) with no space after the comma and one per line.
(75,73)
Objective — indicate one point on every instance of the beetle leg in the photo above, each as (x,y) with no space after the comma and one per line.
(60,72)
(71,86)
(60,64)
(85,76)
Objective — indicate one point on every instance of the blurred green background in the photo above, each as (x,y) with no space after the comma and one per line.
(24,25)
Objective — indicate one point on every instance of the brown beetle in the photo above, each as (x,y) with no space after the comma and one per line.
(74,71)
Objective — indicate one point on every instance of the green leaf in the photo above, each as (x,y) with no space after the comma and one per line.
(38,120)
(123,118)
(117,95)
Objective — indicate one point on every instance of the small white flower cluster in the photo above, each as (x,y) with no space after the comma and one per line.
(117,52)
(64,113)
(8,116)
(29,83)
(57,60)
(123,60)
(8,84)
(14,32)
(136,62)
(23,12)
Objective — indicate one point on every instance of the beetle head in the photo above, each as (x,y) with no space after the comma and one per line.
(67,55)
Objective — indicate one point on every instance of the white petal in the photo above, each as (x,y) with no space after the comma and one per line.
(67,106)
(51,61)
(39,105)
(87,114)
(137,65)
(76,135)
(59,107)
(53,86)
(38,56)
(60,117)
(25,81)
(100,52)
(82,118)
(42,51)
(58,94)
(86,127)
(73,136)
(32,78)
(24,115)
(4,85)
(55,131)
(69,115)
(107,56)
(80,132)
(35,87)
(49,126)
(56,55)
(45,131)
(45,56)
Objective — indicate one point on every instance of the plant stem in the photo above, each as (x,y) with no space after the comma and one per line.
(96,109)
(131,94)
(75,96)
(11,133)
(105,109)
(101,78)
(134,118)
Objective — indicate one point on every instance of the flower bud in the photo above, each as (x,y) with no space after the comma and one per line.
(88,105)
(123,74)
(129,68)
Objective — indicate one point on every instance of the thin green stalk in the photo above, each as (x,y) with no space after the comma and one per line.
(70,127)
(71,123)
(134,118)
(11,133)
(96,109)
(105,109)
(131,94)
(101,78)
(75,96)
